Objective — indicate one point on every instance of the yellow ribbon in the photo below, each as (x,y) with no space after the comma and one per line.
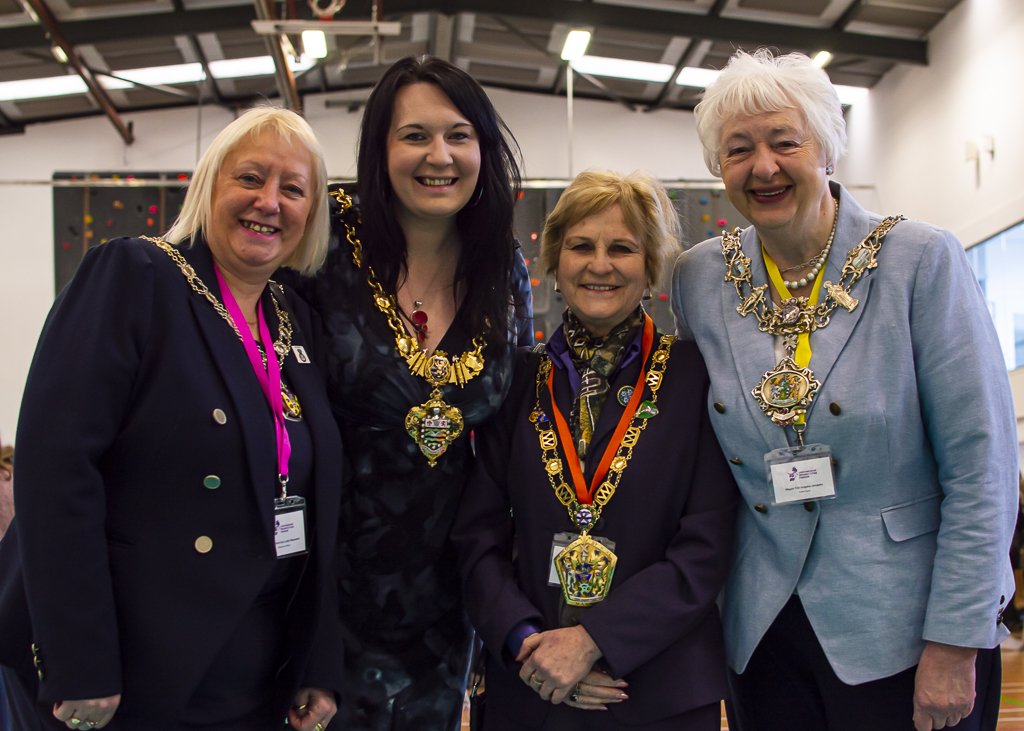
(803,341)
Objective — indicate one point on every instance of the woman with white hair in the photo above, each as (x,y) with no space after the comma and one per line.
(859,392)
(179,469)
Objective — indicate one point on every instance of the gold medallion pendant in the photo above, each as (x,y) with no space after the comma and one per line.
(434,425)
(785,392)
(585,568)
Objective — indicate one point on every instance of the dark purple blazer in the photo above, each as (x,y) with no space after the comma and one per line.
(138,392)
(672,519)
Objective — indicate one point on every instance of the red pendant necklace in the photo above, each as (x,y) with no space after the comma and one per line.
(419,318)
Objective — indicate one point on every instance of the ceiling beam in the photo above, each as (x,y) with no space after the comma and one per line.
(101,30)
(56,36)
(631,18)
(282,71)
(745,32)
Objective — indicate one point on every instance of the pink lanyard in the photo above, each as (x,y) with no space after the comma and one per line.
(269,378)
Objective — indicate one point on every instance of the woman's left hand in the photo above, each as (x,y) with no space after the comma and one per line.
(313,710)
(595,691)
(556,660)
(943,686)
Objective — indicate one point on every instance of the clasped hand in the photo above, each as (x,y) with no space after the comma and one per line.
(559,666)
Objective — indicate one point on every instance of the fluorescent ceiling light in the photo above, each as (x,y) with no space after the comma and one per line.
(40,88)
(624,69)
(51,86)
(849,95)
(234,68)
(821,59)
(314,43)
(693,76)
(182,73)
(575,45)
(70,84)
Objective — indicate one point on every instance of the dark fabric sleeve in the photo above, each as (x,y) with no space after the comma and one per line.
(523,293)
(78,394)
(482,533)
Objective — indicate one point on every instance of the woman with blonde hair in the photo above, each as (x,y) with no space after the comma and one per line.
(596,528)
(179,469)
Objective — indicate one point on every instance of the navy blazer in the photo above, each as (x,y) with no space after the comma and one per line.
(139,391)
(672,519)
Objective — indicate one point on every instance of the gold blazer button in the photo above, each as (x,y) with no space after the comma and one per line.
(204,544)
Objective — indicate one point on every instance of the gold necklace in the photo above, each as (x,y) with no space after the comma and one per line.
(282,345)
(290,402)
(434,424)
(818,261)
(785,393)
(585,567)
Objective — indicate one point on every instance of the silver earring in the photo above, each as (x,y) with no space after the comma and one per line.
(647,294)
(829,168)
(556,287)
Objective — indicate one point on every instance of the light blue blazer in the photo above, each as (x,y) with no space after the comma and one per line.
(915,404)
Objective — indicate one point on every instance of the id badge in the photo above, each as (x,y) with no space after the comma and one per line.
(290,526)
(561,542)
(800,474)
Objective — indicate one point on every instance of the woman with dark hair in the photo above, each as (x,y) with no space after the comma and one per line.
(424,297)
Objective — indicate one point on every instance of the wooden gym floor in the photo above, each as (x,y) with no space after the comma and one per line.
(1011,706)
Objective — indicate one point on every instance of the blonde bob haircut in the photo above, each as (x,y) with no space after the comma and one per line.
(196,212)
(760,82)
(646,210)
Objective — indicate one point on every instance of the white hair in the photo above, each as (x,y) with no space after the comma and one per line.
(759,82)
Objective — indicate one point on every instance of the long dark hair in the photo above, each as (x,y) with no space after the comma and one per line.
(484,224)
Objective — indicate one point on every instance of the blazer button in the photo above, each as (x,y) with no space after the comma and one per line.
(203,544)
(735,460)
(761,508)
(211,482)
(220,417)
(834,408)
(719,407)
(809,506)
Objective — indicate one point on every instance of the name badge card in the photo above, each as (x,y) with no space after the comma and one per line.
(561,542)
(800,474)
(290,526)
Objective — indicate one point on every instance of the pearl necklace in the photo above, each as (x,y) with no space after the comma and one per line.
(818,261)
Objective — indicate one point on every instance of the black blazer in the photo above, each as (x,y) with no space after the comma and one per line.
(139,391)
(672,519)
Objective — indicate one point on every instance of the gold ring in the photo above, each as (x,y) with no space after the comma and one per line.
(319,727)
(302,707)
(74,722)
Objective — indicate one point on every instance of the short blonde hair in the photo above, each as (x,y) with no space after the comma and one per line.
(196,211)
(646,210)
(759,82)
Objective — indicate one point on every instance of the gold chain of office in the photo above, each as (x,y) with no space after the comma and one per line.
(434,424)
(282,345)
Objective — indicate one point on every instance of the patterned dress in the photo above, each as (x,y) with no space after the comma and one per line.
(406,636)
